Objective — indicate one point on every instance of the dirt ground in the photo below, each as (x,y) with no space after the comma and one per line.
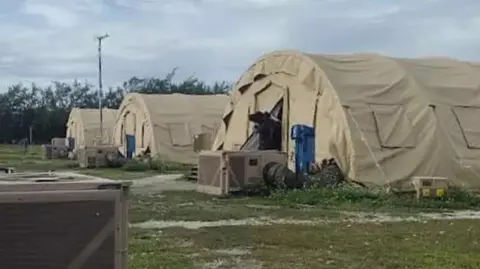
(182,229)
(172,226)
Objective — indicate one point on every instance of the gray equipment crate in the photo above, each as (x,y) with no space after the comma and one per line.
(50,222)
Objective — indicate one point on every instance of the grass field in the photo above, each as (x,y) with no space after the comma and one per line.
(437,244)
(197,231)
(301,229)
(16,156)
(31,160)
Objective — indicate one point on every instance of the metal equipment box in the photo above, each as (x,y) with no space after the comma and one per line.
(59,141)
(47,152)
(59,152)
(432,187)
(202,141)
(223,172)
(96,156)
(55,222)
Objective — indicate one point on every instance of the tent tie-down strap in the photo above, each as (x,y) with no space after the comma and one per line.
(370,150)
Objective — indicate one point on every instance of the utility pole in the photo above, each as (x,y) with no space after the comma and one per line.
(100,86)
(30,133)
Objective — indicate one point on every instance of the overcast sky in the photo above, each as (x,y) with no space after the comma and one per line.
(45,40)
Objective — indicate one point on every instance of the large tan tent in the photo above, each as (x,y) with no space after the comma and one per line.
(164,125)
(384,120)
(84,126)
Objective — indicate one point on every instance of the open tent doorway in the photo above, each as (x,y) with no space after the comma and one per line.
(267,131)
(130,146)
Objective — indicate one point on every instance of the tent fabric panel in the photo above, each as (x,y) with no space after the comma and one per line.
(130,123)
(331,129)
(84,126)
(462,162)
(266,98)
(301,110)
(467,118)
(238,132)
(446,81)
(363,119)
(393,126)
(180,134)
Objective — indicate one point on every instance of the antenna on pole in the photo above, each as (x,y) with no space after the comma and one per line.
(100,86)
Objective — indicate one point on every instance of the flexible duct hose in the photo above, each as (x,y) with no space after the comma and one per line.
(278,176)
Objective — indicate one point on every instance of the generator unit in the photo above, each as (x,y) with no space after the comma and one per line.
(50,221)
(59,141)
(97,156)
(47,152)
(59,152)
(202,141)
(430,187)
(223,172)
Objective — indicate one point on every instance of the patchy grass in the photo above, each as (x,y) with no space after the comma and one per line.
(31,159)
(157,165)
(115,173)
(151,249)
(360,199)
(135,166)
(425,245)
(189,205)
(401,245)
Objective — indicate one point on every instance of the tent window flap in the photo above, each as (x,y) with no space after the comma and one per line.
(467,118)
(268,97)
(180,134)
(393,126)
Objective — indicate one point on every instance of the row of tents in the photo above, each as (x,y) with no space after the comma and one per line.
(160,124)
(384,120)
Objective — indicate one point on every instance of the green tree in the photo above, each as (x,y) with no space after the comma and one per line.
(46,109)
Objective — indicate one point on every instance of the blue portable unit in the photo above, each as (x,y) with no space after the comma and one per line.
(130,145)
(304,137)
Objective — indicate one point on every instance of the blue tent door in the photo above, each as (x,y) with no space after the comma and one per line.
(130,146)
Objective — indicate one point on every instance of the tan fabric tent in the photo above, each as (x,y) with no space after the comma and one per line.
(84,126)
(166,124)
(385,120)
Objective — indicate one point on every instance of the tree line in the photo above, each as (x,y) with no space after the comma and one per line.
(45,110)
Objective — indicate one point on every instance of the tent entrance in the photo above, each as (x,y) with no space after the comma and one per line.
(267,132)
(130,145)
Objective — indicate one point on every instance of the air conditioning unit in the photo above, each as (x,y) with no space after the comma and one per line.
(223,172)
(96,156)
(50,221)
(202,141)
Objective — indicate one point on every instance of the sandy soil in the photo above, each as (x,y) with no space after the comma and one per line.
(353,217)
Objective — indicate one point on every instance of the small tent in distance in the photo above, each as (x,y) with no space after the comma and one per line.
(83,126)
(164,125)
(383,119)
